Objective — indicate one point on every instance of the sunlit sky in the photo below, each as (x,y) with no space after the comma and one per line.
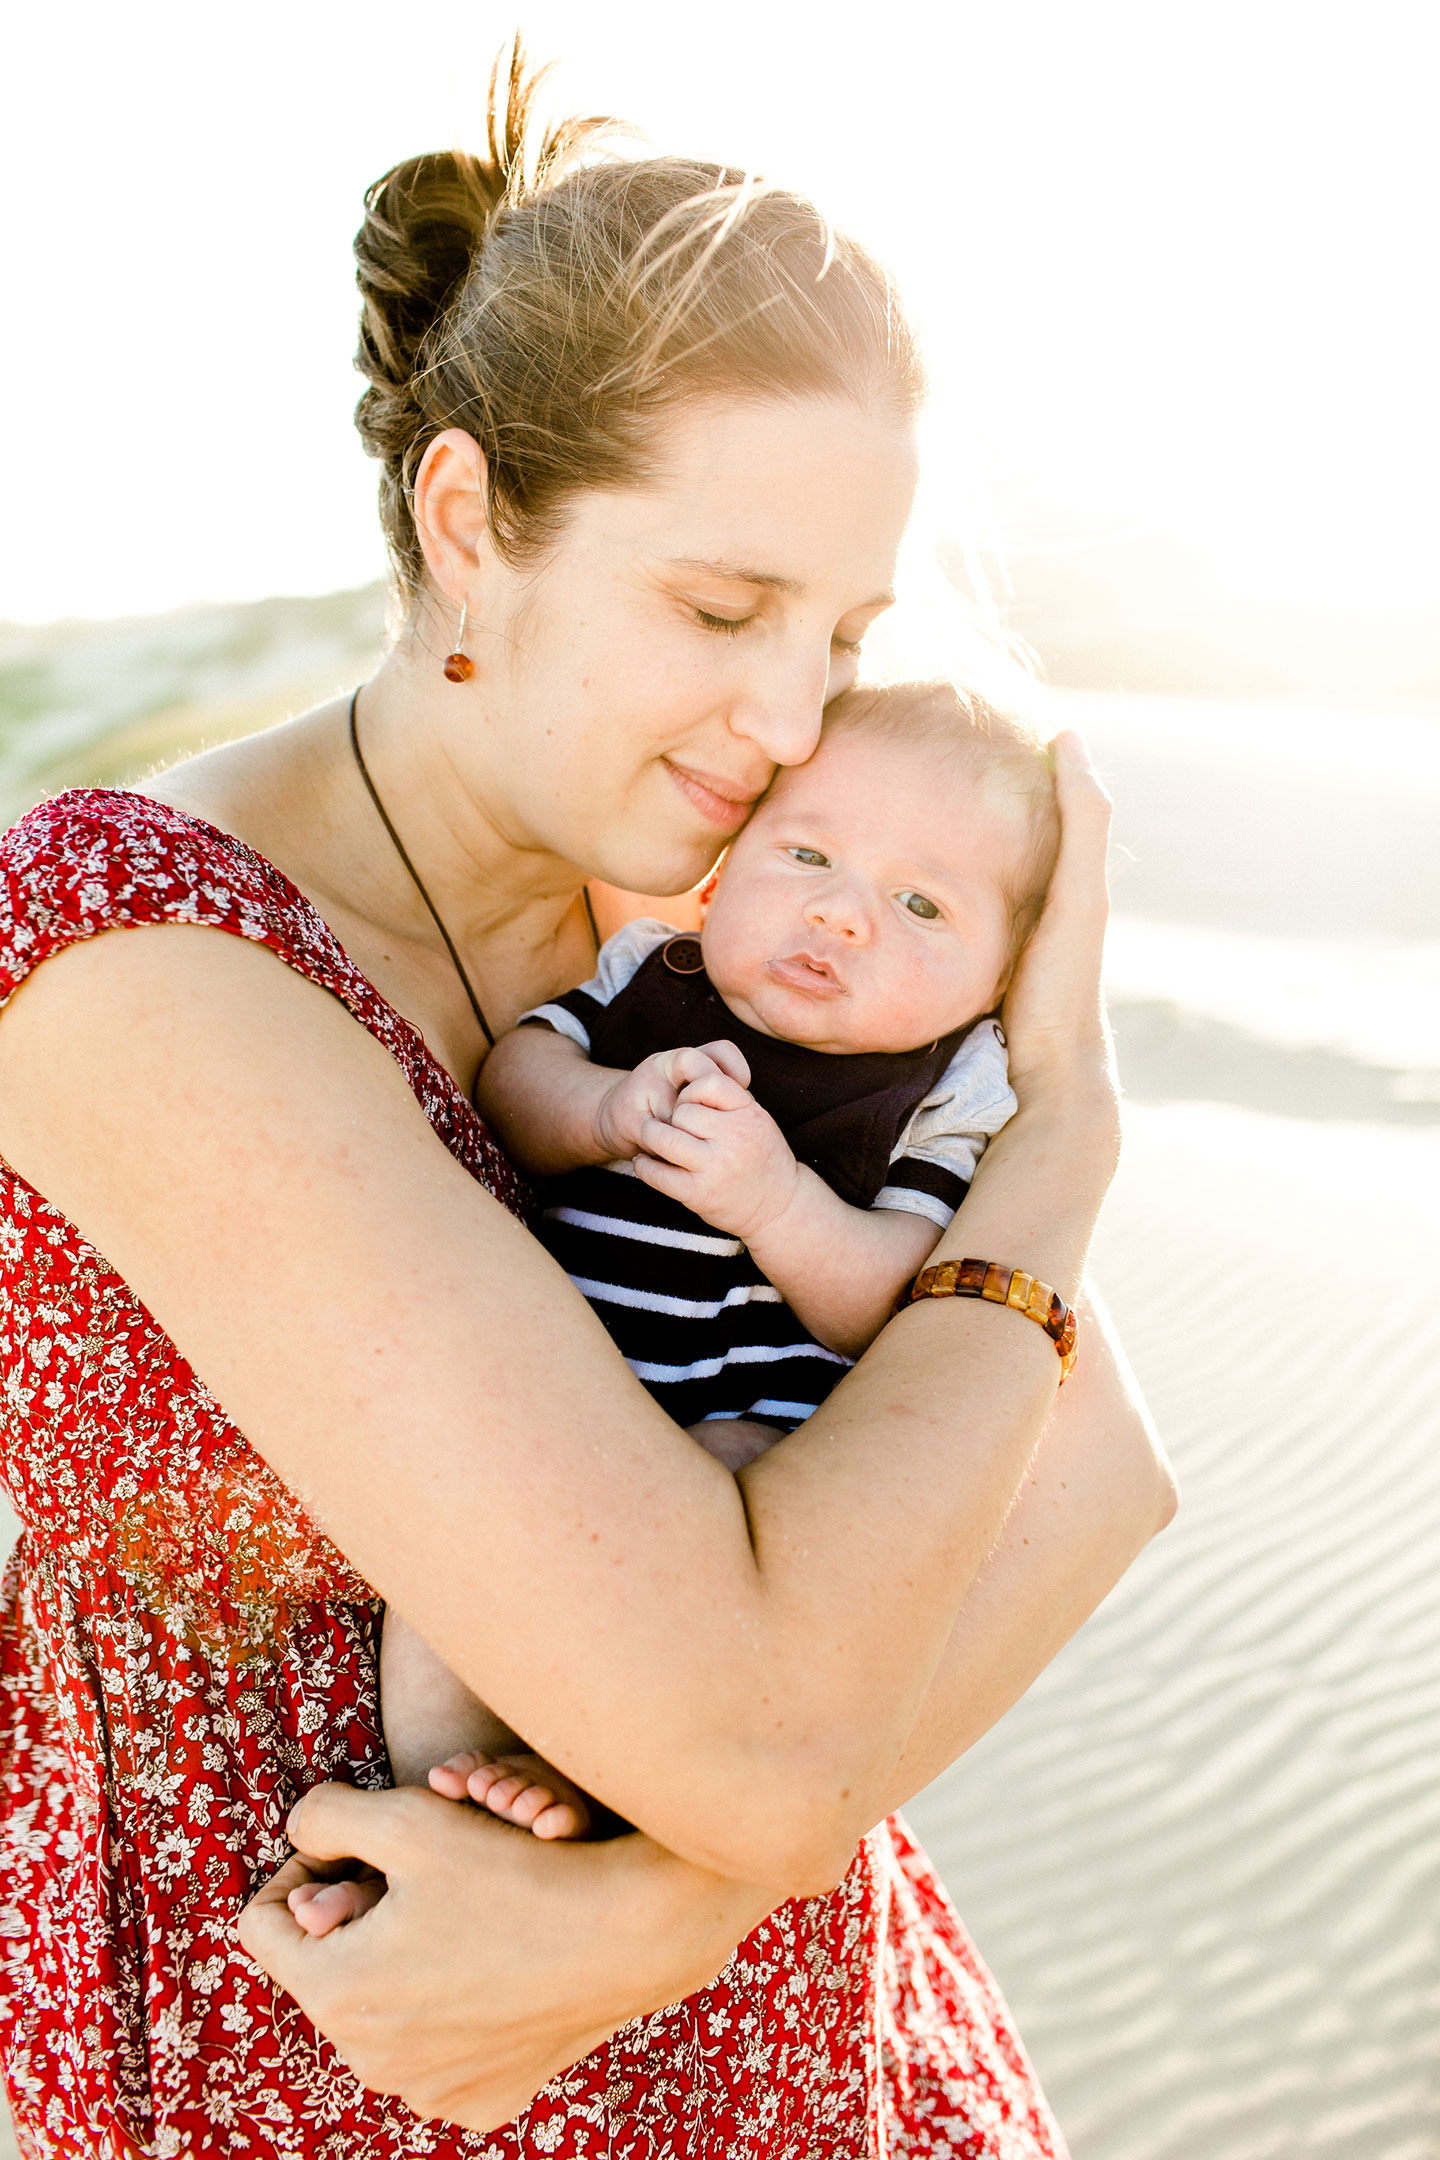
(1173,263)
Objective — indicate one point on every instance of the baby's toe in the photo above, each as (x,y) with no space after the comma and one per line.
(481,1782)
(558,1820)
(452,1779)
(529,1805)
(501,1795)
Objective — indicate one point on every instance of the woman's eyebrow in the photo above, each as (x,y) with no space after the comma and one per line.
(738,573)
(744,574)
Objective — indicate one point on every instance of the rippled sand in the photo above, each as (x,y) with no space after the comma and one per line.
(1204,1854)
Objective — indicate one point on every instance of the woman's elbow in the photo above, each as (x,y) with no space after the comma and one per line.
(1162,1492)
(1167,1498)
(790,1829)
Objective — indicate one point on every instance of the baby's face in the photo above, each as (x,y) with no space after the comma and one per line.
(864,906)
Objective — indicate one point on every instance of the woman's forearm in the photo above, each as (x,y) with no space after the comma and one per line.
(545,1950)
(962,1393)
(1098,1489)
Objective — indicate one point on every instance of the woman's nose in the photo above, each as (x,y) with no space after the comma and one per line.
(783,708)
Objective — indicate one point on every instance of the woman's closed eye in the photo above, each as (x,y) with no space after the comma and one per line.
(919,905)
(732,625)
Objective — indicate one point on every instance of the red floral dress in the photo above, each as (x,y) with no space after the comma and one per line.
(182,1653)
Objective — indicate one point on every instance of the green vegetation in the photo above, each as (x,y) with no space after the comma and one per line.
(107,703)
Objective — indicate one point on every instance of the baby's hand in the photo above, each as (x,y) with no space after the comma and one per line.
(520,1789)
(651,1091)
(721,1156)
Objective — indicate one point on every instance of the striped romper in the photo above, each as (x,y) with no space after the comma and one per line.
(692,1315)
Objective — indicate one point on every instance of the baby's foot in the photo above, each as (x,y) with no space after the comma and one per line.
(520,1789)
(320,1907)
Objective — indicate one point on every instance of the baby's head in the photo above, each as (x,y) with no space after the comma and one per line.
(881,893)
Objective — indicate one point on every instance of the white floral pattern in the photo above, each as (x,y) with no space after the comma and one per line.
(182,1652)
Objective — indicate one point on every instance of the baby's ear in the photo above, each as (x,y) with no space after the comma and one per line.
(706,892)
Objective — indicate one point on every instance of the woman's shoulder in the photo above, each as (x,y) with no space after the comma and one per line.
(96,859)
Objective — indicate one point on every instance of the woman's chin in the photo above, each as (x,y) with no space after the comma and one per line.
(661,878)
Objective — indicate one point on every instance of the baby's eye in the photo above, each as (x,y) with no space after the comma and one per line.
(811,857)
(918,905)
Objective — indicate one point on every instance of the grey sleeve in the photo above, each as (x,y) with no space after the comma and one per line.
(620,958)
(935,1157)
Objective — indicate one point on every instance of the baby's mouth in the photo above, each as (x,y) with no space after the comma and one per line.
(805,971)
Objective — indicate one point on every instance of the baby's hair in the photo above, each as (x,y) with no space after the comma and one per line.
(998,748)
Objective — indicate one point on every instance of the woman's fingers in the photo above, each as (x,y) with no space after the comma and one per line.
(1052,1010)
(339,1823)
(1085,812)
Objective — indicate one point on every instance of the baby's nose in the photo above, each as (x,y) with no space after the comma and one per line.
(841,913)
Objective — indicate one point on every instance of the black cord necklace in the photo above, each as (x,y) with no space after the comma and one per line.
(419,883)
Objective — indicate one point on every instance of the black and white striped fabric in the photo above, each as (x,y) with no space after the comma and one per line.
(689,1310)
(691,1313)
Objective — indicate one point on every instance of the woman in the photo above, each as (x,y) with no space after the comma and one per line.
(279,1347)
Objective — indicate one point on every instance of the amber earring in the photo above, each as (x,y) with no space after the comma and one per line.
(459,667)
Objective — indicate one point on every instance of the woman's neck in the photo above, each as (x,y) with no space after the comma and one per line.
(515,913)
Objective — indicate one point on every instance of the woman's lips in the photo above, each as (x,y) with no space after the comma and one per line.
(718,801)
(801,971)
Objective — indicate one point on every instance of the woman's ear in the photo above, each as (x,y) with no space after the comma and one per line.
(451,516)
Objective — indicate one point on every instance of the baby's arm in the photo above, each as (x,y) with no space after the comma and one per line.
(553,1110)
(841,1268)
(838,1267)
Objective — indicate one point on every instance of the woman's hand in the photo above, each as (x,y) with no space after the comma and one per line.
(494,1961)
(1054,1013)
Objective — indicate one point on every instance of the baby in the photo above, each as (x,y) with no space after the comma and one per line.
(751,1139)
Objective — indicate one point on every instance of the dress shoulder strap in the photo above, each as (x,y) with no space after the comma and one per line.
(98,859)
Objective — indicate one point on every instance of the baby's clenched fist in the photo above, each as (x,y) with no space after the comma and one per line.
(649,1094)
(720,1155)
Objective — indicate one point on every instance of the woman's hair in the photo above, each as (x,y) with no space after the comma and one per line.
(1007,757)
(554,299)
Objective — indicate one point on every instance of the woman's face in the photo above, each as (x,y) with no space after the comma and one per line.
(635,694)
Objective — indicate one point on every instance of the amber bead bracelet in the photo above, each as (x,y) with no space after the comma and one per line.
(1002,1286)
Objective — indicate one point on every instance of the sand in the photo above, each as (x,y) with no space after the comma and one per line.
(1204,1854)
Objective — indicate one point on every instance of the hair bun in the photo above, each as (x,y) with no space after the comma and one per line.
(423,222)
(553,299)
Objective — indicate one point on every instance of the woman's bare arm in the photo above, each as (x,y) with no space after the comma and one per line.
(522,1995)
(1097,1490)
(735,1665)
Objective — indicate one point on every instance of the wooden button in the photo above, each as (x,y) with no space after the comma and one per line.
(683,956)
